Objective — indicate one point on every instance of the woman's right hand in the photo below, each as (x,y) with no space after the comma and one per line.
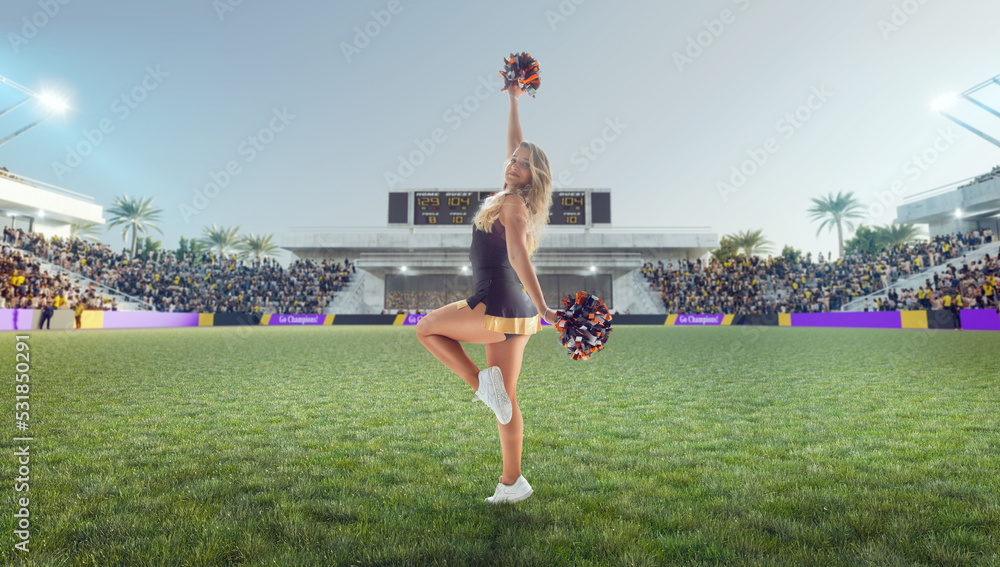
(514,91)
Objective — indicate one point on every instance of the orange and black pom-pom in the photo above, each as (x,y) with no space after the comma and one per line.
(521,69)
(584,325)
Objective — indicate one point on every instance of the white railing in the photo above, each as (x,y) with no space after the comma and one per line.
(43,186)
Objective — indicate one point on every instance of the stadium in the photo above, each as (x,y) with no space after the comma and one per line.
(271,397)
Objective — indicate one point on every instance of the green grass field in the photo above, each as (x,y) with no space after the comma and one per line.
(353,446)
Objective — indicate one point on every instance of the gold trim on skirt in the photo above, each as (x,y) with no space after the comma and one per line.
(513,325)
(509,325)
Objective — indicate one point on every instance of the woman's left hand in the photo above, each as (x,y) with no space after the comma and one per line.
(550,316)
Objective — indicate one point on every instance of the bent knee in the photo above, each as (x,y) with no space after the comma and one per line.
(425,326)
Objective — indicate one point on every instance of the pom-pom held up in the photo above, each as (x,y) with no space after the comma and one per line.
(521,69)
(584,325)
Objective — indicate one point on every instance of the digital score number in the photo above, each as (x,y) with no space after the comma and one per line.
(568,208)
(456,208)
(444,207)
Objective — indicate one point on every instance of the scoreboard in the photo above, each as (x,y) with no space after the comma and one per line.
(568,207)
(458,208)
(446,207)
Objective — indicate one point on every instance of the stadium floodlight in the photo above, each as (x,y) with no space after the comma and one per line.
(981,105)
(972,129)
(15,105)
(958,214)
(10,83)
(41,213)
(26,128)
(593,268)
(402,269)
(944,102)
(53,103)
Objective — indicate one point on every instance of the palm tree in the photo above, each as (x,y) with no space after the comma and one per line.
(836,210)
(223,240)
(752,242)
(84,231)
(149,248)
(727,249)
(259,246)
(895,234)
(136,215)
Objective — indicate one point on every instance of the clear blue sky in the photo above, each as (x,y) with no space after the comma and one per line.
(337,119)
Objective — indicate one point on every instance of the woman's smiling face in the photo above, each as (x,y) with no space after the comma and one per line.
(518,173)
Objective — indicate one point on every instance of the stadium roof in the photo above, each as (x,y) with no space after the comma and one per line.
(651,243)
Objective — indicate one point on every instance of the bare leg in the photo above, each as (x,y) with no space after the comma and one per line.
(443,330)
(508,355)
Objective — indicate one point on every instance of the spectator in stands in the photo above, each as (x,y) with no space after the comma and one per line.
(207,283)
(78,314)
(756,285)
(46,318)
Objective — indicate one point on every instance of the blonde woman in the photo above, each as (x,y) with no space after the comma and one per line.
(507,304)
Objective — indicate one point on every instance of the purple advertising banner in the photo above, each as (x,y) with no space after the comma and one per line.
(715,319)
(15,319)
(303,319)
(413,319)
(146,319)
(861,319)
(980,320)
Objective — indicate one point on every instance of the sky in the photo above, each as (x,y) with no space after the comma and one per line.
(726,115)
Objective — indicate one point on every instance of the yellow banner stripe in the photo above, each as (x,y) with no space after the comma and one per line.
(266,319)
(913,319)
(91,319)
(328,320)
(671,319)
(400,319)
(206,319)
(728,320)
(784,319)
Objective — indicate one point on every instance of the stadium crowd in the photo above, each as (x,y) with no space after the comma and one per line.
(422,301)
(211,284)
(743,285)
(204,283)
(24,285)
(995,172)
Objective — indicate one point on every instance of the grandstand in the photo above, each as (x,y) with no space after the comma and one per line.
(974,205)
(34,206)
(417,264)
(744,286)
(980,262)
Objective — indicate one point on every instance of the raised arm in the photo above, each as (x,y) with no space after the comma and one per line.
(514,136)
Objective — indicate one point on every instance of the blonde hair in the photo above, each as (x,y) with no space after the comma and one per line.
(537,195)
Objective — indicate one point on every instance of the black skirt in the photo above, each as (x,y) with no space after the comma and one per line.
(508,307)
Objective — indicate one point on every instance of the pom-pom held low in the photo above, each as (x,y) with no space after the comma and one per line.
(584,325)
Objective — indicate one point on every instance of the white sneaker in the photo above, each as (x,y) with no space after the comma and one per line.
(510,494)
(493,394)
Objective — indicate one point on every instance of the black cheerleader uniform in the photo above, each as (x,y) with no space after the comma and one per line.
(509,309)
